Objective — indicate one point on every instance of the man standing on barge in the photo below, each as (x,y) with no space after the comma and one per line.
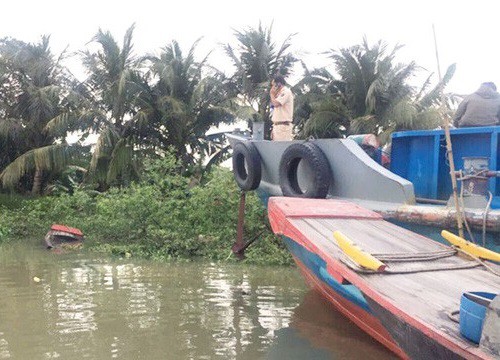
(481,108)
(282,116)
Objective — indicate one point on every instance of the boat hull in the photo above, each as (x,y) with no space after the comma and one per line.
(348,301)
(60,236)
(367,300)
(401,338)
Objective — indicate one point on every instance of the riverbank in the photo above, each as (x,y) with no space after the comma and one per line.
(162,217)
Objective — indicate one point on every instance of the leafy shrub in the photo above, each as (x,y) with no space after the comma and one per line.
(162,217)
(4,233)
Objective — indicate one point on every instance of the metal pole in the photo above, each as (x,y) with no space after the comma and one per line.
(239,246)
(449,149)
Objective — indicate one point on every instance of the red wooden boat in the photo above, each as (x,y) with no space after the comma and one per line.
(407,299)
(61,235)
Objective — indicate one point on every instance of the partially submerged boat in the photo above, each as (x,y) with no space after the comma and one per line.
(60,236)
(401,288)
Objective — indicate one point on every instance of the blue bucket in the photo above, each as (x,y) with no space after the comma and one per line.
(473,307)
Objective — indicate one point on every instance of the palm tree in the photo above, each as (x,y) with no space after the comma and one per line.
(372,95)
(180,101)
(320,109)
(34,90)
(111,89)
(378,94)
(146,105)
(256,59)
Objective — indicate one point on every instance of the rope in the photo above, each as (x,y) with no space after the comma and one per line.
(389,271)
(479,261)
(488,267)
(485,215)
(475,176)
(454,316)
(462,209)
(405,257)
(486,210)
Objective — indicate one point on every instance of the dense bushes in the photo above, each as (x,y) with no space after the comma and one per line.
(161,217)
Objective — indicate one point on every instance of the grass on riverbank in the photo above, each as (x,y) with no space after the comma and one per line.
(159,218)
(12,201)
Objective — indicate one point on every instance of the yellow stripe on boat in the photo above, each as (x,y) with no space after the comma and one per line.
(470,248)
(356,254)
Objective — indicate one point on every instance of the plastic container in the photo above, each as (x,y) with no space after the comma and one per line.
(473,307)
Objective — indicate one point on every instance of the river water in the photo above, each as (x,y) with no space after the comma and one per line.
(84,306)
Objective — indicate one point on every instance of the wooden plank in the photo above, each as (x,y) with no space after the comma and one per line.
(427,296)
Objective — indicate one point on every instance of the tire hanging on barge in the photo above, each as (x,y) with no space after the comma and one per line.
(317,162)
(247,166)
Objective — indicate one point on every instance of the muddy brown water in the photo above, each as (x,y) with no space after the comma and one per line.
(84,306)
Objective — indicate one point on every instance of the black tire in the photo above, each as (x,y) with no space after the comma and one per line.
(247,168)
(318,163)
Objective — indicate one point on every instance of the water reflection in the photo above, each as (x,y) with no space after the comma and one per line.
(318,331)
(87,307)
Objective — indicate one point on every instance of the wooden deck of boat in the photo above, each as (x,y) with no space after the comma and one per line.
(426,296)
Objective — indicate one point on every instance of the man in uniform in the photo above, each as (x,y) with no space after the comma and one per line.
(282,116)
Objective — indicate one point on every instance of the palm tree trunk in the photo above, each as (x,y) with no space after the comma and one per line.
(37,182)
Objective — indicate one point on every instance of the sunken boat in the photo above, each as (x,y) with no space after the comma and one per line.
(60,236)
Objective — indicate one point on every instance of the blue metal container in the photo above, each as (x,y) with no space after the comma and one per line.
(472,313)
(419,156)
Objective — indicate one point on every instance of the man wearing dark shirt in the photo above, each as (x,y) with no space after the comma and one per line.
(481,108)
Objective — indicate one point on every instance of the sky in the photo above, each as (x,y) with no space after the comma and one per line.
(467,32)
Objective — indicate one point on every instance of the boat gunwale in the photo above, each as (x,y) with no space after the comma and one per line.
(284,227)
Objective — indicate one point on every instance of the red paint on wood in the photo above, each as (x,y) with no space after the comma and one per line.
(336,275)
(359,316)
(277,212)
(66,229)
(321,208)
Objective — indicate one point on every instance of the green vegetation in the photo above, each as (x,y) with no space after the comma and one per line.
(370,95)
(140,112)
(161,217)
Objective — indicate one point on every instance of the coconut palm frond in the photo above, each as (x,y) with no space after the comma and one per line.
(374,93)
(120,161)
(10,128)
(364,125)
(450,72)
(325,124)
(429,119)
(110,49)
(59,123)
(403,115)
(172,105)
(211,116)
(48,158)
(433,97)
(122,82)
(190,59)
(244,112)
(107,138)
(126,52)
(424,88)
